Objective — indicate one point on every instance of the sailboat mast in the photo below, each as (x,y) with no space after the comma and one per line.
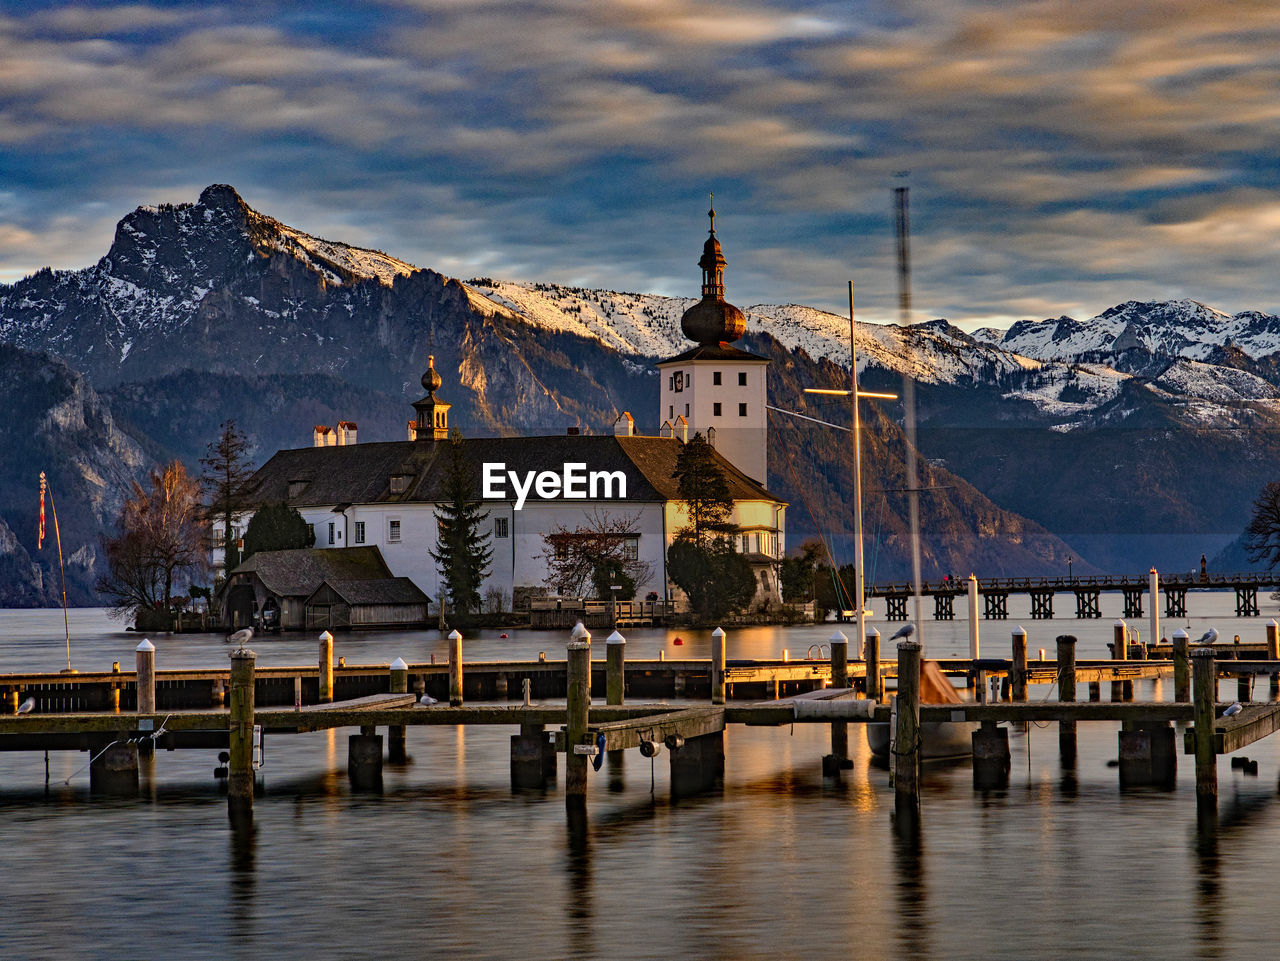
(903,231)
(859,576)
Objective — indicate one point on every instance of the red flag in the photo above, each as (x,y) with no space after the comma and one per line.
(40,539)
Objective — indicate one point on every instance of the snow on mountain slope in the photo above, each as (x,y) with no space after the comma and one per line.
(351,263)
(1177,328)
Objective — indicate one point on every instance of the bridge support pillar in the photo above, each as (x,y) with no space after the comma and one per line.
(991,757)
(697,765)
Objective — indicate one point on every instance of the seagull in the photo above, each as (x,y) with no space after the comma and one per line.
(1233,710)
(426,701)
(1209,636)
(241,637)
(27,706)
(906,630)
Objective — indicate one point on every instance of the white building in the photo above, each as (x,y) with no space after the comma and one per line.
(388,494)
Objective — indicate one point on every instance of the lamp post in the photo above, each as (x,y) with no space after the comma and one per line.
(1071,577)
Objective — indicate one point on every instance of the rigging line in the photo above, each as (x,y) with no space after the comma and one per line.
(838,581)
(792,413)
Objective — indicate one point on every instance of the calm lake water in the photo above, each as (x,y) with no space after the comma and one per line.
(447,861)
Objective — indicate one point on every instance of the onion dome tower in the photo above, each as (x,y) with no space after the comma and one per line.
(713,320)
(714,388)
(432,422)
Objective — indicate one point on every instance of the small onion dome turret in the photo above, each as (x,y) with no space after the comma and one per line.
(431,380)
(713,320)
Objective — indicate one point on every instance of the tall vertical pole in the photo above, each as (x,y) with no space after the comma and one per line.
(717,666)
(455,669)
(1067,693)
(326,668)
(903,231)
(973,618)
(872,654)
(1018,676)
(1205,692)
(859,561)
(1154,636)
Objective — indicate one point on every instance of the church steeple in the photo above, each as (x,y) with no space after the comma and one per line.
(712,320)
(432,422)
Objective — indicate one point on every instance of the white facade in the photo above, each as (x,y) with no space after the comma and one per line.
(724,400)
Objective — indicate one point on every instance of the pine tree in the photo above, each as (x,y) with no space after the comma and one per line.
(462,552)
(226,468)
(701,484)
(277,527)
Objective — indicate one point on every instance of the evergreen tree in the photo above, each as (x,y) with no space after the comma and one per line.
(701,484)
(226,467)
(276,527)
(462,552)
(716,578)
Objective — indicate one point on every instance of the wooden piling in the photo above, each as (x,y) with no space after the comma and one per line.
(1204,682)
(1181,667)
(326,668)
(1273,654)
(1244,688)
(1153,636)
(615,684)
(397,743)
(872,653)
(1120,641)
(1018,676)
(973,619)
(146,677)
(240,773)
(833,763)
(906,744)
(991,761)
(578,705)
(455,669)
(1067,692)
(717,666)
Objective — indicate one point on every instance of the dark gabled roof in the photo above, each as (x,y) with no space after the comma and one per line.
(386,590)
(719,351)
(362,473)
(298,573)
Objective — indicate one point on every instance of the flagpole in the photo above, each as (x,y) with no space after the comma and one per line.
(57,533)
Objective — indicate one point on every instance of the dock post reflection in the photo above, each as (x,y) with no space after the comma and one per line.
(911,887)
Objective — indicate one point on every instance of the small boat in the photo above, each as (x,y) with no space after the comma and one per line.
(939,739)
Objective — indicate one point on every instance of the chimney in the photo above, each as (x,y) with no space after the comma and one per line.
(573,431)
(625,425)
(665,430)
(682,429)
(321,436)
(346,432)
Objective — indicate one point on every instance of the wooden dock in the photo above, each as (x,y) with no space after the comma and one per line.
(689,727)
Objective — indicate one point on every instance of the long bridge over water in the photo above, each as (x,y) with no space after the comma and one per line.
(1087,591)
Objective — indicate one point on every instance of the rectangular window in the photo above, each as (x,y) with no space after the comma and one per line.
(500,527)
(715,378)
(393,530)
(359,532)
(742,410)
(715,410)
(686,410)
(671,413)
(742,378)
(331,533)
(631,547)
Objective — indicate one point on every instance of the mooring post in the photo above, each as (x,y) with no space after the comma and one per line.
(1154,578)
(326,668)
(578,704)
(240,773)
(872,653)
(717,666)
(615,685)
(1273,654)
(455,669)
(146,652)
(1204,680)
(1066,693)
(397,746)
(1181,666)
(837,759)
(973,618)
(1018,677)
(906,744)
(1120,641)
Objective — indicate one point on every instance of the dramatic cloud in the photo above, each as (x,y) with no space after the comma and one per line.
(1062,157)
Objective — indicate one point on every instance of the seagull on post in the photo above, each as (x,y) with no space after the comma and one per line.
(1233,710)
(27,706)
(905,631)
(241,637)
(1209,636)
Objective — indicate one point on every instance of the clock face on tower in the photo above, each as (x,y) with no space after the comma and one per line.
(679,380)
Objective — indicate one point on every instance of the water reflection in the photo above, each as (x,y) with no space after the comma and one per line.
(910,883)
(580,909)
(242,878)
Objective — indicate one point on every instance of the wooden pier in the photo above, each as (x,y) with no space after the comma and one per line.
(249,705)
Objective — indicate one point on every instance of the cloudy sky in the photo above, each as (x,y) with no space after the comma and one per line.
(1062,157)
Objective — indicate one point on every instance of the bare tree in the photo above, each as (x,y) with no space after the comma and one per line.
(1262,536)
(604,541)
(226,467)
(160,542)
